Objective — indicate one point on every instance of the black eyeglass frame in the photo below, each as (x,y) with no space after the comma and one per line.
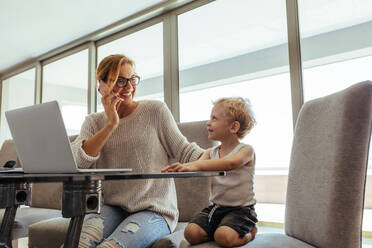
(122,82)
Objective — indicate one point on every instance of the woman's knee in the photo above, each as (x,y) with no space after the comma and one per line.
(194,234)
(91,232)
(110,244)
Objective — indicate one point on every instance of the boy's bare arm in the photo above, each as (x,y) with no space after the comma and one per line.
(242,157)
(175,166)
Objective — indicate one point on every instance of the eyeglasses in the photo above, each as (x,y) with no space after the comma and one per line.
(122,82)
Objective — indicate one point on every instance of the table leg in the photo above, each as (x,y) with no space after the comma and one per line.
(73,233)
(6,227)
(78,199)
(11,196)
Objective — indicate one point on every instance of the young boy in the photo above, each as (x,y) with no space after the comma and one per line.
(231,219)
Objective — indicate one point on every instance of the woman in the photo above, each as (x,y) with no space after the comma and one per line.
(136,134)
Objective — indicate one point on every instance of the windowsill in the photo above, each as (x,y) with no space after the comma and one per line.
(273,215)
(273,172)
(270,213)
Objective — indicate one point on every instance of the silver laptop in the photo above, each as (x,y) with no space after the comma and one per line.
(41,140)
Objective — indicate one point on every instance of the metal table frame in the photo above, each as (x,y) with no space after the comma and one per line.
(81,195)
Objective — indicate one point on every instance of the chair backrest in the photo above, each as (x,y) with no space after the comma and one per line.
(193,193)
(8,152)
(327,175)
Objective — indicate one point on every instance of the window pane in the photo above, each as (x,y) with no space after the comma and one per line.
(326,79)
(336,43)
(66,81)
(244,55)
(331,65)
(17,92)
(145,47)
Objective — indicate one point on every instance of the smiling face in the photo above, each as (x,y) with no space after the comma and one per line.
(219,126)
(127,93)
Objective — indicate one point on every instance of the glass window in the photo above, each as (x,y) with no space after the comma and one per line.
(331,65)
(17,92)
(66,81)
(145,47)
(244,55)
(336,46)
(326,79)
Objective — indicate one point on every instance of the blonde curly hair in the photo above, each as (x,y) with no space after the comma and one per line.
(240,110)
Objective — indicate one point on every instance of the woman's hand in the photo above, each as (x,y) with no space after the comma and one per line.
(110,100)
(178,167)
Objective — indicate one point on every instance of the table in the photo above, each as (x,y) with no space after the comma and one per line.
(81,195)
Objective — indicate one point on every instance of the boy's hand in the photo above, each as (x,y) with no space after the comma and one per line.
(178,167)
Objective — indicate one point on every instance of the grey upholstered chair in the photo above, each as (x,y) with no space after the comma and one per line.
(327,175)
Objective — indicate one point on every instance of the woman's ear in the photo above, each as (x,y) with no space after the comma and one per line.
(235,126)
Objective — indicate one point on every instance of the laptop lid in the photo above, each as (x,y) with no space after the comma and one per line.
(40,139)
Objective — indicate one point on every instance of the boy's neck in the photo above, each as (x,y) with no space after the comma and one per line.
(228,145)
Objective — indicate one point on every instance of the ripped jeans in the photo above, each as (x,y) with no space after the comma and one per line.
(117,228)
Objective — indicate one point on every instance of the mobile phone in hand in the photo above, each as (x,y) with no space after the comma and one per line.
(102,87)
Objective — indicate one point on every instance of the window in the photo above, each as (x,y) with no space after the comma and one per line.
(336,46)
(244,55)
(148,59)
(331,65)
(326,79)
(17,91)
(66,80)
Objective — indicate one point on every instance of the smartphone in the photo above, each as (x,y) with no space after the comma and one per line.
(101,88)
(101,83)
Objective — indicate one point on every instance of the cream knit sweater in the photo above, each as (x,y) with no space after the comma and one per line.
(143,141)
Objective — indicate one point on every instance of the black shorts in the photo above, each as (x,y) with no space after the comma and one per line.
(241,219)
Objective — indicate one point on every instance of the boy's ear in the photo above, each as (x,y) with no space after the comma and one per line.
(235,126)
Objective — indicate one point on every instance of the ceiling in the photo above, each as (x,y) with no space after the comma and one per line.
(32,28)
(29,29)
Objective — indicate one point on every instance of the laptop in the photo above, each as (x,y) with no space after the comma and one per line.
(41,141)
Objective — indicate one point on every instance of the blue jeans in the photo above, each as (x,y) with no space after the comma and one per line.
(115,227)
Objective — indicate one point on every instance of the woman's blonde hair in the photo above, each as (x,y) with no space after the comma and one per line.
(240,110)
(108,69)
